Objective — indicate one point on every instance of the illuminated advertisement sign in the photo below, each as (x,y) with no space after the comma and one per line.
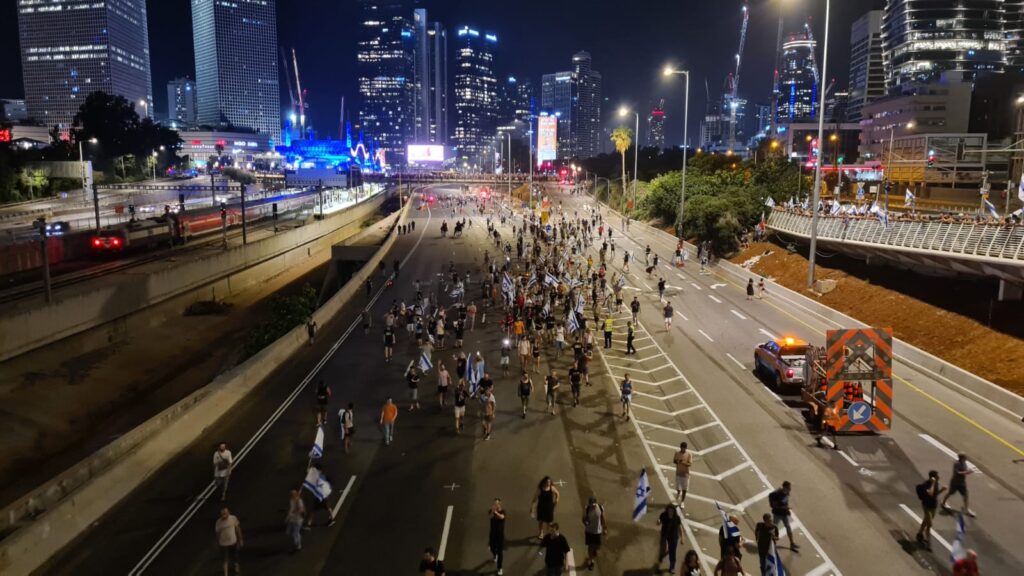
(547,138)
(425,153)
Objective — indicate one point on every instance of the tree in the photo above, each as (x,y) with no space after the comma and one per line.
(622,137)
(35,180)
(118,130)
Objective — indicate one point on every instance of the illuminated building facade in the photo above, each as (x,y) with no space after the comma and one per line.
(574,97)
(922,39)
(656,126)
(431,104)
(71,48)
(476,95)
(236,65)
(867,72)
(181,101)
(386,68)
(798,80)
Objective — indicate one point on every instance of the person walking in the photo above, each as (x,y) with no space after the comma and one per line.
(661,289)
(388,415)
(683,461)
(525,349)
(556,552)
(626,390)
(593,530)
(766,533)
(575,381)
(459,398)
(471,315)
(525,389)
(346,423)
(750,289)
(323,396)
(538,345)
(294,518)
(311,328)
(559,340)
(545,500)
(928,492)
(634,307)
(779,501)
(223,462)
(609,326)
(496,537)
(761,291)
(430,565)
(229,539)
(630,337)
(671,527)
(667,312)
(389,343)
(490,408)
(551,384)
(506,351)
(958,484)
(443,381)
(413,378)
(691,564)
(729,565)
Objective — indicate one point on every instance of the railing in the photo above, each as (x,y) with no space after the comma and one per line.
(985,241)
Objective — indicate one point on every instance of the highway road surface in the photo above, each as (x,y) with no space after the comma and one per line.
(855,508)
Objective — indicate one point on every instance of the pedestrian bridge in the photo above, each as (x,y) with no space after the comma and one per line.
(933,247)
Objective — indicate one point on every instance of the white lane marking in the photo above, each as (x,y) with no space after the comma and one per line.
(947,451)
(848,459)
(645,284)
(150,556)
(738,363)
(715,299)
(721,475)
(767,333)
(682,316)
(444,533)
(344,494)
(935,534)
(695,285)
(717,286)
(738,315)
(821,570)
(704,334)
(681,277)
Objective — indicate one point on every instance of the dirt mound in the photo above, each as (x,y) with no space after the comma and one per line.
(949,318)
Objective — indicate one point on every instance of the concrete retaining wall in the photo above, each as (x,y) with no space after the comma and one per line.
(75,309)
(40,524)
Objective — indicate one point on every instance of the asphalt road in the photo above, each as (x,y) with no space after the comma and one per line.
(694,383)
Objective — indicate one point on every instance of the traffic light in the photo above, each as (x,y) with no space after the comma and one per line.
(842,159)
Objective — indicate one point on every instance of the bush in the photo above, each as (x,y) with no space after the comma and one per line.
(286,312)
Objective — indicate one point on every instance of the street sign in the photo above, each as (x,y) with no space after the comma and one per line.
(859,412)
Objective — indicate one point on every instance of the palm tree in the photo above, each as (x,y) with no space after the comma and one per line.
(622,137)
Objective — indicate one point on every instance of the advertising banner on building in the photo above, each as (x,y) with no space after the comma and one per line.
(423,153)
(547,138)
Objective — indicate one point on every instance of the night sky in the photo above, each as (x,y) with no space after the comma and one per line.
(630,42)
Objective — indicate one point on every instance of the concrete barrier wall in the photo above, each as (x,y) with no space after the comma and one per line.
(49,518)
(1000,399)
(76,309)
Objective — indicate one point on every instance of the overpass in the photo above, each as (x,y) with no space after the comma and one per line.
(931,247)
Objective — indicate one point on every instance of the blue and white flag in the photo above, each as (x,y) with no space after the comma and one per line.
(458,292)
(531,281)
(550,279)
(508,286)
(478,371)
(991,209)
(580,304)
(835,207)
(317,485)
(804,204)
(883,217)
(1020,190)
(547,308)
(470,377)
(575,282)
(572,322)
(860,191)
(908,198)
(425,363)
(772,563)
(770,202)
(621,282)
(959,552)
(318,444)
(643,494)
(731,530)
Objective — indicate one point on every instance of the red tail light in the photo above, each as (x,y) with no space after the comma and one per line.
(789,373)
(97,242)
(117,242)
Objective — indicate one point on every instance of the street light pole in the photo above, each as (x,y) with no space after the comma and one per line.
(817,168)
(686,126)
(636,158)
(509,167)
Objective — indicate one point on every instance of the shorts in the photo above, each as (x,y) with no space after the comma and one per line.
(414,393)
(551,398)
(585,369)
(961,488)
(592,540)
(504,360)
(626,398)
(442,390)
(682,482)
(460,411)
(488,418)
(229,553)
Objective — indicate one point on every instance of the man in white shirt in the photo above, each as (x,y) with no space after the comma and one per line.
(222,464)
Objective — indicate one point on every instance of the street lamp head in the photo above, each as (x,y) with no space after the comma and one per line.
(93,140)
(833,137)
(668,71)
(623,111)
(1020,99)
(910,125)
(807,138)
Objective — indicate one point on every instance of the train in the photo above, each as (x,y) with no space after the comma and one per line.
(178,228)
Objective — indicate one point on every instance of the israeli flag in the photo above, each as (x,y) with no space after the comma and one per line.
(835,208)
(458,292)
(863,209)
(425,364)
(731,530)
(572,322)
(580,304)
(318,444)
(575,283)
(470,376)
(860,191)
(547,308)
(621,282)
(991,209)
(478,371)
(804,204)
(507,286)
(531,281)
(550,279)
(908,199)
(959,552)
(643,494)
(317,485)
(770,202)
(772,563)
(792,202)
(883,217)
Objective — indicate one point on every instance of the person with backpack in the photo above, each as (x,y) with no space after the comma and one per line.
(928,492)
(347,425)
(593,529)
(779,502)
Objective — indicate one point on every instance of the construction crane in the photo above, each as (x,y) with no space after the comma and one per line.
(734,92)
(302,97)
(291,90)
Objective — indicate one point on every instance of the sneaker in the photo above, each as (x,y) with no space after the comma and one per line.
(500,572)
(794,547)
(970,513)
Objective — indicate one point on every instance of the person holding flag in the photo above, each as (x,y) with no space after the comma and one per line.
(729,538)
(317,451)
(766,534)
(319,486)
(643,495)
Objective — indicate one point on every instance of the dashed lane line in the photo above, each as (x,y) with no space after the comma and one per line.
(737,362)
(705,334)
(738,315)
(715,299)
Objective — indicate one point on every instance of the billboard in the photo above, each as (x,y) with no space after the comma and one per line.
(425,153)
(547,138)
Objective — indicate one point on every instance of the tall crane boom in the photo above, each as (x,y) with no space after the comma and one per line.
(302,97)
(734,94)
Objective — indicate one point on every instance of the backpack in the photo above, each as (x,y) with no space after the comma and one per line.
(922,489)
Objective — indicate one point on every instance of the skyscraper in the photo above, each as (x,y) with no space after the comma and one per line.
(798,80)
(236,65)
(476,95)
(1013,27)
(574,97)
(867,73)
(71,48)
(181,101)
(921,39)
(387,75)
(656,126)
(437,46)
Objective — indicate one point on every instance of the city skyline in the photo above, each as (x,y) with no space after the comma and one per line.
(631,71)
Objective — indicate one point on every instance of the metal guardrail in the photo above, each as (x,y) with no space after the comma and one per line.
(996,243)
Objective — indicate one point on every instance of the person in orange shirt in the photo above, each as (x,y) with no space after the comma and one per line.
(388,415)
